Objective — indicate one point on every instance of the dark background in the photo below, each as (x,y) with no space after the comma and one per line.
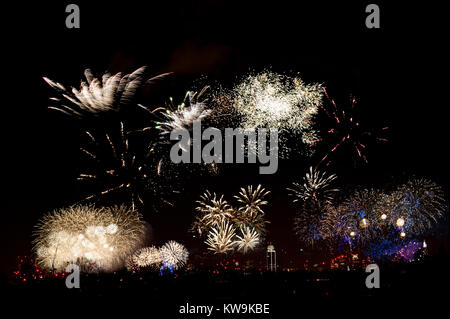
(396,71)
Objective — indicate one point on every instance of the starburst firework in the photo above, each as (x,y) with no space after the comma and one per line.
(315,187)
(422,205)
(358,213)
(214,210)
(121,170)
(173,254)
(248,240)
(250,212)
(344,128)
(220,238)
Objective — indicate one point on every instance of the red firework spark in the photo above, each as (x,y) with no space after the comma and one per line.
(346,129)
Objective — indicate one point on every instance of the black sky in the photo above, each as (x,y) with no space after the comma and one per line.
(394,71)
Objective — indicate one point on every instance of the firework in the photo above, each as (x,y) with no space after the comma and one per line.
(173,254)
(219,220)
(214,210)
(387,210)
(274,101)
(250,212)
(314,220)
(358,213)
(422,205)
(147,257)
(315,187)
(183,119)
(248,241)
(97,239)
(220,238)
(308,224)
(97,96)
(119,170)
(182,116)
(344,129)
(332,225)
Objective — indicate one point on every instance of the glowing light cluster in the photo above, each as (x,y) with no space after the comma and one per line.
(370,217)
(173,254)
(277,101)
(147,257)
(97,239)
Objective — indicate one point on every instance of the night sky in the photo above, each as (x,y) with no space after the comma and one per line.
(394,71)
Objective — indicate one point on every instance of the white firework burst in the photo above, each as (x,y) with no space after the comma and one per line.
(97,239)
(250,212)
(220,238)
(97,96)
(215,210)
(252,199)
(147,256)
(248,241)
(276,101)
(315,187)
(173,254)
(183,118)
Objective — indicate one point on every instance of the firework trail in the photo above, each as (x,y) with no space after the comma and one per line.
(97,239)
(315,187)
(173,254)
(220,238)
(344,129)
(97,96)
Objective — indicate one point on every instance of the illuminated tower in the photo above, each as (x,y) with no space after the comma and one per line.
(271,258)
